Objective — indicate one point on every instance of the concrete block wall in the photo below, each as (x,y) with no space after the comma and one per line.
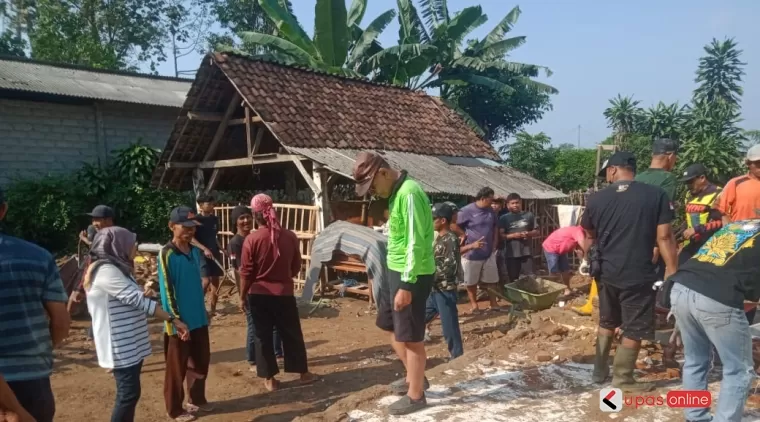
(38,138)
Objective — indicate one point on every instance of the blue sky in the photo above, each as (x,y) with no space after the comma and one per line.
(597,49)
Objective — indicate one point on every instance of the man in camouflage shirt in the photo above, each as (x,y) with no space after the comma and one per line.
(443,299)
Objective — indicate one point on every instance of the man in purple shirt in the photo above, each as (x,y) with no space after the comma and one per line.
(478,221)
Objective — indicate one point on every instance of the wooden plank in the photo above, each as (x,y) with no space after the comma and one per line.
(257,142)
(301,169)
(237,162)
(216,140)
(205,116)
(248,140)
(243,120)
(320,197)
(213,180)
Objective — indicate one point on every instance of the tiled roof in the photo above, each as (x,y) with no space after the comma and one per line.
(81,82)
(308,109)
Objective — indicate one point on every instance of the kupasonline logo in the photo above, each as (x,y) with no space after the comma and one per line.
(611,400)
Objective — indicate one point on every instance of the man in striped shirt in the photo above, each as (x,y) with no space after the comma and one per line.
(33,320)
(179,276)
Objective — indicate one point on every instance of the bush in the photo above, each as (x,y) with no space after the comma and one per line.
(50,211)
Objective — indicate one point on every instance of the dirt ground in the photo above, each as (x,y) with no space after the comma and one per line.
(344,347)
(346,350)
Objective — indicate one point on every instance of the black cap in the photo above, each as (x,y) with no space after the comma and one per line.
(619,159)
(101,211)
(238,211)
(662,146)
(453,206)
(184,216)
(443,210)
(693,171)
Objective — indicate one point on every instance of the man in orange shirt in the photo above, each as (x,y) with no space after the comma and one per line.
(740,200)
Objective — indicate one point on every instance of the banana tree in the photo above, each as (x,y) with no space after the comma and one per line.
(339,45)
(433,53)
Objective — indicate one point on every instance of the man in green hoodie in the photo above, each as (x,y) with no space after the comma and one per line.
(401,304)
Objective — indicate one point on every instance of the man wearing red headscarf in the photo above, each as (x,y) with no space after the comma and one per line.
(271,258)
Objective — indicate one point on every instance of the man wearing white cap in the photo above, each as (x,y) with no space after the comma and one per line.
(740,200)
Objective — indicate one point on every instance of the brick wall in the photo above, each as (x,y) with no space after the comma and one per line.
(38,138)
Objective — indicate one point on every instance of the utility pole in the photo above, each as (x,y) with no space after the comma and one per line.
(579,136)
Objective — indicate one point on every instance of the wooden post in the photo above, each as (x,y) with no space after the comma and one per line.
(321,198)
(248,138)
(598,165)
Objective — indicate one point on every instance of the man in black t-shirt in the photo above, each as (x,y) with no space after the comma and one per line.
(626,220)
(707,299)
(206,240)
(242,217)
(517,228)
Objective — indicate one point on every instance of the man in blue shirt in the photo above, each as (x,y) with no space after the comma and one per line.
(179,276)
(33,320)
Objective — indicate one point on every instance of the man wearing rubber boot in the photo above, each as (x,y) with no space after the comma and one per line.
(625,221)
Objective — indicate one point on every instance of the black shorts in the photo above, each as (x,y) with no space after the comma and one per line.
(211,269)
(408,324)
(630,308)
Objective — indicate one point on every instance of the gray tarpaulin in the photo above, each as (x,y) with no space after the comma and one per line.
(351,239)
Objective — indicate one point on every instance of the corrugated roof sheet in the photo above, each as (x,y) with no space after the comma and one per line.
(308,109)
(437,176)
(71,81)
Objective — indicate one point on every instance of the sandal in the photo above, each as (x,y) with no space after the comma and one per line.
(185,417)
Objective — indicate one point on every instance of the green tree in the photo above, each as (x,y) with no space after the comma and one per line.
(571,169)
(713,138)
(529,154)
(187,26)
(11,45)
(720,74)
(500,114)
(238,16)
(663,121)
(623,117)
(438,49)
(117,34)
(337,46)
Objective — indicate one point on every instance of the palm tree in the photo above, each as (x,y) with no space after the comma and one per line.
(720,73)
(623,116)
(338,46)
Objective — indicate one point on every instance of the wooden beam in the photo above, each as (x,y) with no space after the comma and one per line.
(257,142)
(306,176)
(238,162)
(222,127)
(321,199)
(241,121)
(248,140)
(205,116)
(213,180)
